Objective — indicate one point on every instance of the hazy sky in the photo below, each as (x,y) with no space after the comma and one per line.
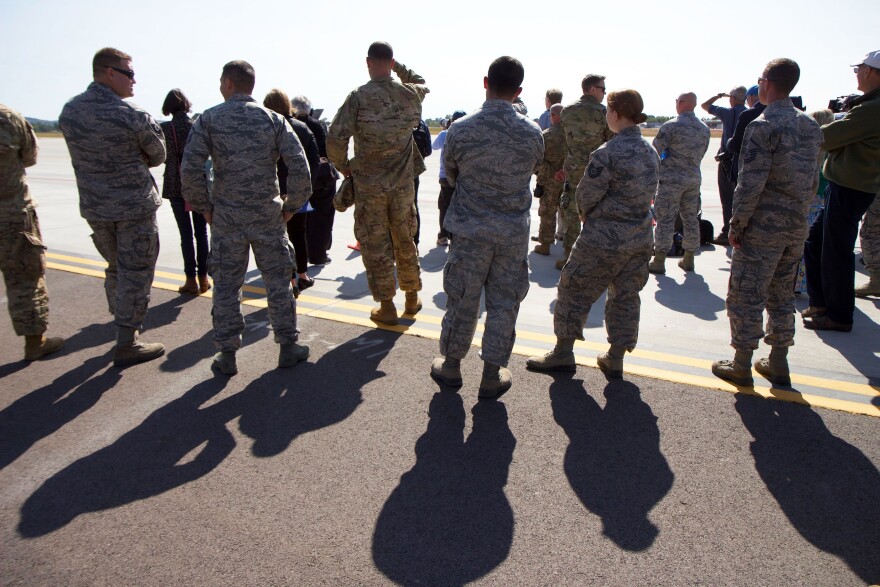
(659,48)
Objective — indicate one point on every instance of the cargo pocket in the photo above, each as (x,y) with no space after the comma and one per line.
(453,280)
(30,250)
(145,246)
(521,287)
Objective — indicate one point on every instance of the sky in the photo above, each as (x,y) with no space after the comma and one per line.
(660,49)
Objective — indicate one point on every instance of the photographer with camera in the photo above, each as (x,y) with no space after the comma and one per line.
(853,172)
(728,118)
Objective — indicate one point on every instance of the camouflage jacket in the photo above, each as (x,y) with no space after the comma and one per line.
(616,190)
(777,176)
(380,116)
(583,124)
(18,149)
(554,156)
(244,141)
(490,157)
(681,143)
(112,145)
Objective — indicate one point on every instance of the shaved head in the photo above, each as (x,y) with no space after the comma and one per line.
(688,100)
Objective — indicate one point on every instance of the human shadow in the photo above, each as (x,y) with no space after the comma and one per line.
(692,296)
(543,271)
(282,405)
(167,312)
(613,460)
(859,347)
(448,522)
(88,337)
(434,260)
(440,300)
(353,287)
(828,489)
(143,462)
(596,315)
(44,411)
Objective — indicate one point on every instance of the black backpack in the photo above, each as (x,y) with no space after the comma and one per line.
(422,137)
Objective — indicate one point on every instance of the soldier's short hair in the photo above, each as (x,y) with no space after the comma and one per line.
(380,50)
(277,100)
(554,96)
(301,105)
(783,73)
(108,57)
(628,104)
(506,76)
(242,75)
(590,80)
(176,102)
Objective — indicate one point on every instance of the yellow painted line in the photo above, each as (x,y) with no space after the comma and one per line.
(520,349)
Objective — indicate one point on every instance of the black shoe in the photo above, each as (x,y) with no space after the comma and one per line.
(536,239)
(304,284)
(324,261)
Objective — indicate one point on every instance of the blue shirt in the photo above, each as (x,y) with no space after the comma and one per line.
(728,118)
(439,141)
(544,120)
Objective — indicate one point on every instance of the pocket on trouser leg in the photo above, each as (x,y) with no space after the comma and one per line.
(30,251)
(453,280)
(521,288)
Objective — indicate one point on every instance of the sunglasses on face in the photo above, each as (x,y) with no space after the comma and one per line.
(126,72)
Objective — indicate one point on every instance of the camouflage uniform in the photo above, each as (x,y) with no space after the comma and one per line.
(381,115)
(681,142)
(869,236)
(554,156)
(584,127)
(490,157)
(112,145)
(244,141)
(22,258)
(777,180)
(614,246)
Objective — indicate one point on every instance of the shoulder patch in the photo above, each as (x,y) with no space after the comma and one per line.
(594,171)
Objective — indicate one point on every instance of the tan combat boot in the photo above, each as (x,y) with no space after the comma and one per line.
(687,263)
(561,358)
(292,353)
(37,346)
(130,351)
(775,367)
(224,361)
(496,380)
(738,371)
(542,249)
(657,265)
(386,313)
(611,363)
(560,263)
(872,288)
(447,371)
(413,303)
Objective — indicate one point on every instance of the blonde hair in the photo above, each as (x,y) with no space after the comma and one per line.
(278,101)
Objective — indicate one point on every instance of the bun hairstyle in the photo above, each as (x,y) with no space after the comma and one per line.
(628,104)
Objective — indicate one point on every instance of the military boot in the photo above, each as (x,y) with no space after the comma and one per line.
(496,380)
(386,313)
(224,361)
(292,353)
(872,288)
(560,263)
(611,363)
(413,303)
(775,367)
(658,264)
(130,350)
(561,358)
(738,371)
(687,263)
(37,346)
(447,371)
(542,249)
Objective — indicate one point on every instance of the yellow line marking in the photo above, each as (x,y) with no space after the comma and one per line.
(520,349)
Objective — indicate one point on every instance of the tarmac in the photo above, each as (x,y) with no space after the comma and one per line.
(356,468)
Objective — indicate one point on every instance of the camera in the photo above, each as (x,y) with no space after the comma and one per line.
(842,103)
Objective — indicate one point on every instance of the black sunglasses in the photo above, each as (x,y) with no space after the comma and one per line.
(126,72)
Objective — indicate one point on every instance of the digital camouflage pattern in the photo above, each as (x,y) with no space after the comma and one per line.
(869,237)
(380,116)
(554,157)
(244,141)
(112,145)
(777,180)
(681,143)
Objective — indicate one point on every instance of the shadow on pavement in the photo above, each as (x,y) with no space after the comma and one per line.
(351,288)
(690,297)
(434,260)
(613,461)
(448,522)
(827,488)
(860,347)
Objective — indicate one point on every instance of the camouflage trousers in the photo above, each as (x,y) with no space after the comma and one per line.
(230,252)
(762,276)
(384,225)
(475,266)
(23,262)
(130,248)
(588,273)
(671,199)
(549,205)
(869,236)
(570,218)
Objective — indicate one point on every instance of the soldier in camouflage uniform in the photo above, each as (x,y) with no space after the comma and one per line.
(490,157)
(380,116)
(777,179)
(245,140)
(612,251)
(550,187)
(869,236)
(22,257)
(584,127)
(681,143)
(112,146)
